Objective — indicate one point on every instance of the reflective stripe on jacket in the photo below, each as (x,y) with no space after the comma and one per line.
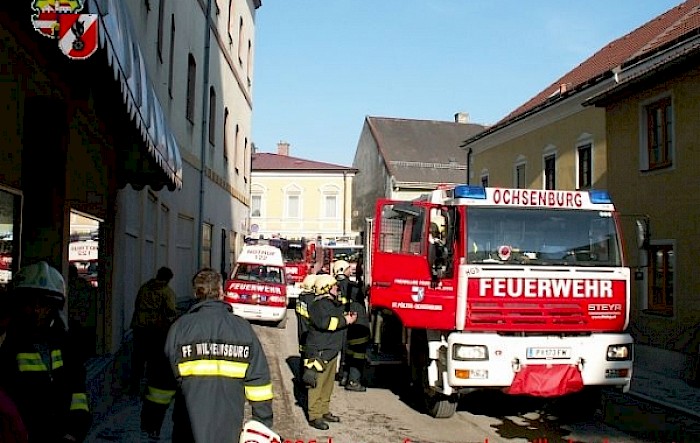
(46,381)
(219,364)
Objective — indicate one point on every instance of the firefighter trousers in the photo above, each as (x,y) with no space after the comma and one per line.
(356,352)
(160,391)
(320,396)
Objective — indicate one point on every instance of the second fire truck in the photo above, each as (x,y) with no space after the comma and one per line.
(526,291)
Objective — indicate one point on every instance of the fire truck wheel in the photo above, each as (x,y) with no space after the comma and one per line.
(441,406)
(282,324)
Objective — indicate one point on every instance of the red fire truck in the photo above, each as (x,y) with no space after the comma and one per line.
(298,256)
(526,291)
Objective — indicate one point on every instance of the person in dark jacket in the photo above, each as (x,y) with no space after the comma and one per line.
(219,363)
(357,335)
(40,369)
(301,309)
(323,344)
(154,312)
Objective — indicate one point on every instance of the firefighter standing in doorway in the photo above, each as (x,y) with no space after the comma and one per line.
(39,368)
(357,334)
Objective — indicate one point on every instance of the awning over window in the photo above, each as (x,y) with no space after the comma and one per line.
(127,62)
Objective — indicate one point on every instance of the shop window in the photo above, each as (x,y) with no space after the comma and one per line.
(10,204)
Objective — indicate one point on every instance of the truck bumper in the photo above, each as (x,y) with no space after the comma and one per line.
(507,355)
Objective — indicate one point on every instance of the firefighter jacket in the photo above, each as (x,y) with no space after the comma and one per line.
(219,364)
(44,376)
(302,312)
(155,306)
(327,321)
(355,301)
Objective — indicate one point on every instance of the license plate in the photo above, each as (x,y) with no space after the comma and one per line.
(544,353)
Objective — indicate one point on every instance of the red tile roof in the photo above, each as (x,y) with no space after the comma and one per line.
(656,34)
(264,161)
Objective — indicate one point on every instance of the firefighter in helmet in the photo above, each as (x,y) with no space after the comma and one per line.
(328,319)
(357,335)
(40,369)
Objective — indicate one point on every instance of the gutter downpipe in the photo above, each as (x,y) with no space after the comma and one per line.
(205,128)
(469,162)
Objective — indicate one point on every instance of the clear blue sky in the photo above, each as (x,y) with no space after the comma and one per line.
(322,66)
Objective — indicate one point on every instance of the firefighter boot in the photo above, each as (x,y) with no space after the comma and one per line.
(355,386)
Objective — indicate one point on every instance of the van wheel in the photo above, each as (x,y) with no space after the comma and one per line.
(282,324)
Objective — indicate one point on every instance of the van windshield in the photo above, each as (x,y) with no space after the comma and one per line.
(258,273)
(542,237)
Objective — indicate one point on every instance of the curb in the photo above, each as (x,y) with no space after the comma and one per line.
(666,404)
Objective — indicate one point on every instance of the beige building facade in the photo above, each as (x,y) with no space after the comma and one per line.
(652,122)
(295,198)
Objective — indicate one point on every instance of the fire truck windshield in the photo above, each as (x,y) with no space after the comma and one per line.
(542,237)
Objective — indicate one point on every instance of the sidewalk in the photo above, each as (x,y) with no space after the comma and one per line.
(659,377)
(116,414)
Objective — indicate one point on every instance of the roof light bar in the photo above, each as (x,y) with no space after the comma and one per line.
(470,191)
(598,196)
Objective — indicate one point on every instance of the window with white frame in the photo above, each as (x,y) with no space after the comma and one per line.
(292,202)
(657,135)
(330,202)
(519,179)
(256,206)
(256,201)
(584,165)
(485,179)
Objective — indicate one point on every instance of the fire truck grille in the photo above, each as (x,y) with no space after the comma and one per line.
(524,314)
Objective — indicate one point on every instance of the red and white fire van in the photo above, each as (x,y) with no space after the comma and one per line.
(257,287)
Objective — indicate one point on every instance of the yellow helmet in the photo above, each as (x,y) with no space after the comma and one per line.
(340,266)
(323,284)
(308,283)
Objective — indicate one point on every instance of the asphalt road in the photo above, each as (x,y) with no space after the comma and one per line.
(385,413)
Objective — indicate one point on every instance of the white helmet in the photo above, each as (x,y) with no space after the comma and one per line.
(339,267)
(256,432)
(324,283)
(308,283)
(41,276)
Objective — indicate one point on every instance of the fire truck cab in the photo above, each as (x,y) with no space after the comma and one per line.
(257,287)
(525,291)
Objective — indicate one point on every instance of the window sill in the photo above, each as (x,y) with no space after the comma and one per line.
(655,313)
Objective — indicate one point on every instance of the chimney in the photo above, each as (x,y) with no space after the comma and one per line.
(283,148)
(462,117)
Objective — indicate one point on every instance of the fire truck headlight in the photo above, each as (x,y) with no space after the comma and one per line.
(470,352)
(619,352)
